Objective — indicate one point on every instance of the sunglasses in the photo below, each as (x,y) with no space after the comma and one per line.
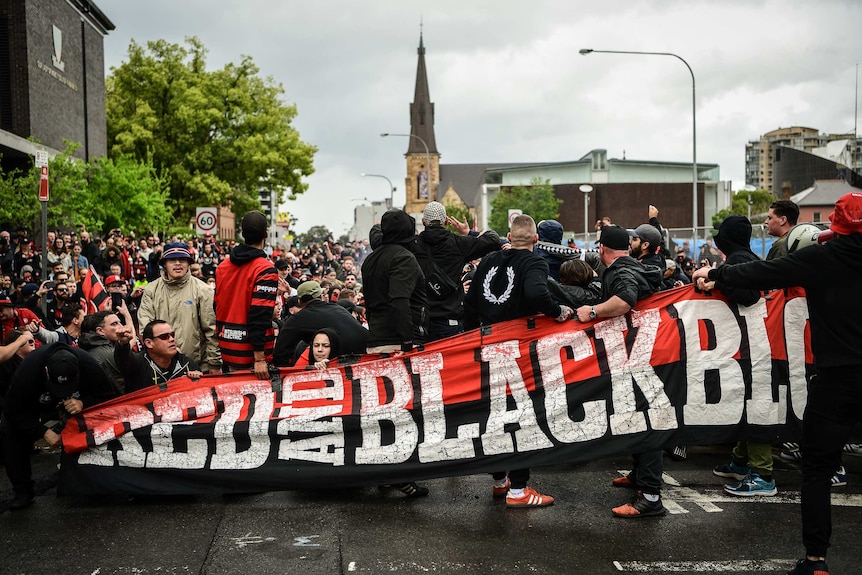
(166,336)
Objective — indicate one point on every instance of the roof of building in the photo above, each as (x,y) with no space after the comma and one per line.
(467,178)
(823,193)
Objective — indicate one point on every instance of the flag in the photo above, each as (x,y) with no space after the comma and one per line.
(93,293)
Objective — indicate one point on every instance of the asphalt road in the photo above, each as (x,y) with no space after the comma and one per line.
(459,528)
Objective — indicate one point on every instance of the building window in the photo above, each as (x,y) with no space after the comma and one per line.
(817,217)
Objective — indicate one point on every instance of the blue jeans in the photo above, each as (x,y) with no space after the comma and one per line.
(443,328)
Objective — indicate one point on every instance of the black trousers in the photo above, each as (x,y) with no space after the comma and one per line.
(518,477)
(834,407)
(18,449)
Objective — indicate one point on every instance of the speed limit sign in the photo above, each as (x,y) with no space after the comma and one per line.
(206,221)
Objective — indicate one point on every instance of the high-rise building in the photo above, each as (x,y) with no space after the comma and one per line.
(759,154)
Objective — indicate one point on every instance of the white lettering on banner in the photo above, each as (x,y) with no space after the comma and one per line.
(99,456)
(436,446)
(504,372)
(173,408)
(136,416)
(233,395)
(130,454)
(634,367)
(761,409)
(327,447)
(164,454)
(729,408)
(594,424)
(374,411)
(329,388)
(795,317)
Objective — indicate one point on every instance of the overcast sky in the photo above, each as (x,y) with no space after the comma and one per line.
(508,83)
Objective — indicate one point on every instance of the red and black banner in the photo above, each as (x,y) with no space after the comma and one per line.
(682,368)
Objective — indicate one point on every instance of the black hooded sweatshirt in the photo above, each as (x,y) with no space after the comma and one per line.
(733,239)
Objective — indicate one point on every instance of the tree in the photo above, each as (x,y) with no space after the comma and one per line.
(100,195)
(459,212)
(537,200)
(215,136)
(760,201)
(315,235)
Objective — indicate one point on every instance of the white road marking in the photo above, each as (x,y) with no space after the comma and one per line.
(249,539)
(305,541)
(737,566)
(673,507)
(351,566)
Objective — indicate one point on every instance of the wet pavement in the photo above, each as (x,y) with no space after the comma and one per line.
(458,528)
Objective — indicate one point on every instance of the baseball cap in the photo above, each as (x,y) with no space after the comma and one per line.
(434,213)
(614,237)
(62,370)
(647,233)
(5,301)
(115,279)
(29,289)
(309,288)
(847,217)
(282,264)
(175,251)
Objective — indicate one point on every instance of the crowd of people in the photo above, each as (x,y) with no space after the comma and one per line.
(189,308)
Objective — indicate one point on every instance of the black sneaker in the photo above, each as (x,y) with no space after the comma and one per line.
(22,499)
(412,489)
(806,567)
(640,507)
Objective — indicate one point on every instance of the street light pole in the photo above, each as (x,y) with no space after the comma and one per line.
(585,51)
(586,189)
(427,154)
(391,187)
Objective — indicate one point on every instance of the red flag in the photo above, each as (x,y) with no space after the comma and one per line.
(95,296)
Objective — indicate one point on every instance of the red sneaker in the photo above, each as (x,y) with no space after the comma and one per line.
(530,498)
(501,491)
(623,481)
(640,507)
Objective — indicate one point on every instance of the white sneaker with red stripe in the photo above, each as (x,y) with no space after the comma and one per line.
(530,498)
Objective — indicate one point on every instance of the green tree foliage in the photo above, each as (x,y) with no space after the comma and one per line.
(460,213)
(215,136)
(315,235)
(101,195)
(760,202)
(537,200)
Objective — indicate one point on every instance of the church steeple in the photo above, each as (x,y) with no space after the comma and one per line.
(422,109)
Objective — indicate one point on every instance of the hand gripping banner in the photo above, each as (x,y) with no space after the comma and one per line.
(683,368)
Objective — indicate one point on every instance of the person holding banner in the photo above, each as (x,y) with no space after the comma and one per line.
(831,274)
(511,284)
(624,282)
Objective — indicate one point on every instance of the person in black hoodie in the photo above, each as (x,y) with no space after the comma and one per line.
(394,286)
(831,275)
(52,383)
(624,282)
(450,253)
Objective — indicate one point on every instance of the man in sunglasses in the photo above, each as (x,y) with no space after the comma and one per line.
(160,361)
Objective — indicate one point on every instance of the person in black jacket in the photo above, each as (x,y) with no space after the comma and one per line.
(314,315)
(507,285)
(550,248)
(831,275)
(394,285)
(578,285)
(51,384)
(160,361)
(450,253)
(624,282)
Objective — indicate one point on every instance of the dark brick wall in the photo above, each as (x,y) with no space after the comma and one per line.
(628,204)
(49,104)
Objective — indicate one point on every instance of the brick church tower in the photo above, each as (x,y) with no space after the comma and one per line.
(420,185)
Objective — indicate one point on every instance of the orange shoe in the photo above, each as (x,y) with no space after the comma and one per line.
(501,491)
(531,498)
(640,507)
(623,481)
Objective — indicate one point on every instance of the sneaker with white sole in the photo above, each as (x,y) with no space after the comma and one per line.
(502,488)
(530,498)
(791,455)
(853,449)
(752,486)
(732,470)
(839,478)
(806,567)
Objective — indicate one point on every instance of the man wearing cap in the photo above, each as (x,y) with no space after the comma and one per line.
(316,314)
(12,317)
(624,282)
(645,244)
(51,384)
(449,252)
(831,274)
(186,304)
(246,290)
